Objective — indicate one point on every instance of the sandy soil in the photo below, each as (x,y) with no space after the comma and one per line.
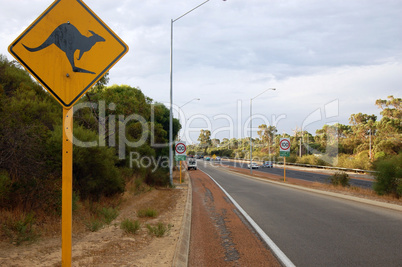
(111,246)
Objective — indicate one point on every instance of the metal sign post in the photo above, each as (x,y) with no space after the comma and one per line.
(181,153)
(284,151)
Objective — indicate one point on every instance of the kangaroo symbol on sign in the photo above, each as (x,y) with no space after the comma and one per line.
(69,39)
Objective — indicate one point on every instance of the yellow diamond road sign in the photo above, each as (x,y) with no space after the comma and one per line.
(68,49)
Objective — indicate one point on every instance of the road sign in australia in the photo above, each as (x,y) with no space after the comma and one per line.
(181,151)
(68,49)
(284,147)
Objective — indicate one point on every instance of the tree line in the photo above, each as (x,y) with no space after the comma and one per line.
(31,141)
(356,145)
(367,143)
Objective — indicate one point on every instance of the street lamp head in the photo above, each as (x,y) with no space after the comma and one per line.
(189,102)
(273,89)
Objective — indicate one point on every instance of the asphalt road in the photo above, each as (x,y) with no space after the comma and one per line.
(308,176)
(316,230)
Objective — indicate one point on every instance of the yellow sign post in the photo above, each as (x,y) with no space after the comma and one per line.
(68,49)
(284,169)
(67,187)
(284,151)
(180,171)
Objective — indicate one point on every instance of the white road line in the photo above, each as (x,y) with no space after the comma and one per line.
(275,249)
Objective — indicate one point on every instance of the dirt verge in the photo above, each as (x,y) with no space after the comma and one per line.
(111,246)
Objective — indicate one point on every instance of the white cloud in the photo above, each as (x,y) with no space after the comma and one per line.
(312,51)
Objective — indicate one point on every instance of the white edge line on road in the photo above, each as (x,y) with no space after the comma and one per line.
(275,249)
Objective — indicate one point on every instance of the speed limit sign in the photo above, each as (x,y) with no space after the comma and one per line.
(284,147)
(181,150)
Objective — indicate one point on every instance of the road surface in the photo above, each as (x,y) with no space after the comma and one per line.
(316,230)
(303,175)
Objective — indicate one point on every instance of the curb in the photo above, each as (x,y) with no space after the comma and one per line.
(180,258)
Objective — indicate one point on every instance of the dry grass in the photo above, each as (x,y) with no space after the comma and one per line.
(49,224)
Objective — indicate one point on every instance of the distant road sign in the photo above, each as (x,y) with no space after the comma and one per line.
(181,148)
(68,49)
(181,151)
(284,147)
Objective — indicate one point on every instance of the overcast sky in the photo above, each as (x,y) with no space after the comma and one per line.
(327,59)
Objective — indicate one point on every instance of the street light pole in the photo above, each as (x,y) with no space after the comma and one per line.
(198,99)
(171,93)
(251,138)
(251,128)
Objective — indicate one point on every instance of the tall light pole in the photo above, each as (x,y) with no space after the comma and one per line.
(171,92)
(251,127)
(198,99)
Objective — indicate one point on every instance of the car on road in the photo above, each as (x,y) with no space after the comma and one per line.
(253,165)
(192,164)
(268,164)
(207,158)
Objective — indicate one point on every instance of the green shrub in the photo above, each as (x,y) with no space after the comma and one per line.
(345,161)
(362,161)
(21,229)
(358,161)
(130,226)
(5,186)
(94,224)
(340,178)
(138,183)
(151,213)
(94,168)
(379,155)
(108,214)
(312,160)
(75,201)
(160,177)
(388,176)
(291,159)
(159,230)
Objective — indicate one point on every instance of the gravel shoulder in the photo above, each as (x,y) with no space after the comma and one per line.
(220,236)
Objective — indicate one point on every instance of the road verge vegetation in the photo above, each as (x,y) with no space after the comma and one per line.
(110,123)
(388,178)
(159,230)
(130,226)
(340,178)
(149,212)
